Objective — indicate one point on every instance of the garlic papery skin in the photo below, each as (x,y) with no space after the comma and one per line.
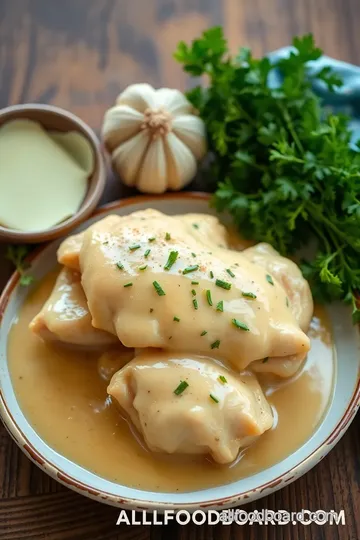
(154,137)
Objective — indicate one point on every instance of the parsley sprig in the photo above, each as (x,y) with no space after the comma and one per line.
(288,168)
(17,255)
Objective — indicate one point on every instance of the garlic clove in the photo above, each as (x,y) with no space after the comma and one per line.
(120,123)
(191,131)
(152,177)
(173,101)
(139,96)
(128,157)
(181,163)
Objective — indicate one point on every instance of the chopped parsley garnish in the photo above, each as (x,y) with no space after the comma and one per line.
(230,272)
(152,239)
(167,236)
(208,297)
(134,247)
(195,303)
(287,302)
(182,386)
(194,283)
(265,360)
(216,344)
(120,266)
(214,398)
(222,379)
(269,279)
(173,255)
(105,243)
(223,284)
(249,295)
(193,254)
(240,325)
(128,284)
(143,267)
(158,288)
(147,253)
(203,333)
(220,306)
(211,274)
(195,225)
(193,292)
(189,269)
(176,319)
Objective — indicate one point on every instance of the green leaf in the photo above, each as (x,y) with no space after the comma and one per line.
(331,79)
(286,189)
(283,165)
(244,55)
(306,48)
(26,280)
(17,254)
(327,276)
(244,157)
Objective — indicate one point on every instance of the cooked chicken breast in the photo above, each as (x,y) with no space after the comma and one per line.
(69,249)
(206,229)
(203,227)
(289,275)
(191,405)
(225,303)
(299,298)
(65,316)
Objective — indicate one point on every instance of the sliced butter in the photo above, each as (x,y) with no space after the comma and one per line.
(43,176)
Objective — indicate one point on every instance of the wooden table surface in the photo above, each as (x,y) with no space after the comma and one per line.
(79,54)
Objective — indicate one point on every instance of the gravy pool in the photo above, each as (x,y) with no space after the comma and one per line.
(64,398)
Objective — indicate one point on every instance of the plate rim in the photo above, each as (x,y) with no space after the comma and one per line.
(243,497)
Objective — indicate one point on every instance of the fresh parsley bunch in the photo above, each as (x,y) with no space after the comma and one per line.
(287,172)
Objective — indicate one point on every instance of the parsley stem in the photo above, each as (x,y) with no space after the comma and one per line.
(319,216)
(321,235)
(290,126)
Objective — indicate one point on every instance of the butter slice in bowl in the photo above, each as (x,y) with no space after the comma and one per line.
(43,175)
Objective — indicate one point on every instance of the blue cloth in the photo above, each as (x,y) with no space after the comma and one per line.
(346,99)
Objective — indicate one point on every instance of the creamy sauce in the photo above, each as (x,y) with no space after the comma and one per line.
(64,398)
(146,293)
(43,175)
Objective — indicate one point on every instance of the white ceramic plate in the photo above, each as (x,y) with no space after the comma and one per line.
(337,419)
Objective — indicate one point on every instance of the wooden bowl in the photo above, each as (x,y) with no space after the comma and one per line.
(57,119)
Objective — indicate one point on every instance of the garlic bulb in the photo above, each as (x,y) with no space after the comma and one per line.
(154,138)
